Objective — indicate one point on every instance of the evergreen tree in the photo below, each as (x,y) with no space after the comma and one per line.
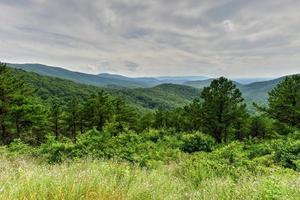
(146,121)
(258,128)
(71,118)
(123,114)
(7,90)
(284,102)
(55,117)
(98,109)
(221,108)
(193,115)
(161,118)
(19,111)
(22,111)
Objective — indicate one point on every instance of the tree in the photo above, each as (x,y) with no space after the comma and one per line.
(123,114)
(7,89)
(160,118)
(258,127)
(21,113)
(71,118)
(55,115)
(193,115)
(97,110)
(284,102)
(221,108)
(146,121)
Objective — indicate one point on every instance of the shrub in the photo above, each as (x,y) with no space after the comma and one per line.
(259,148)
(288,154)
(197,142)
(140,149)
(54,151)
(92,143)
(17,147)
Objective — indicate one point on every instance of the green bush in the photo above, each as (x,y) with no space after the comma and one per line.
(259,148)
(141,149)
(54,151)
(17,147)
(197,142)
(288,154)
(92,143)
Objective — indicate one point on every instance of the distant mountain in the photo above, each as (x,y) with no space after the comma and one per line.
(204,83)
(180,79)
(250,80)
(258,91)
(199,84)
(141,81)
(253,92)
(146,92)
(104,79)
(165,95)
(89,79)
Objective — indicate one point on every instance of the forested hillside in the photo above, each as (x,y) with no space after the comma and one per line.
(65,140)
(136,89)
(89,79)
(168,95)
(103,79)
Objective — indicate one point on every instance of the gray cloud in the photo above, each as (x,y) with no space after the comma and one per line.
(161,37)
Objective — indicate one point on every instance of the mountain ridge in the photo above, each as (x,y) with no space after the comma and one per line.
(147,88)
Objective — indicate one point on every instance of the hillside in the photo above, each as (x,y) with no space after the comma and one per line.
(166,95)
(103,79)
(258,91)
(204,83)
(89,79)
(253,92)
(139,91)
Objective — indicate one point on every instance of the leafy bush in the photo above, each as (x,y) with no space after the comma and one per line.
(17,147)
(259,148)
(288,154)
(197,142)
(140,149)
(54,151)
(93,142)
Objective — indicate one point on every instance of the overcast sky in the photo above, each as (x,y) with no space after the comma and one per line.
(234,38)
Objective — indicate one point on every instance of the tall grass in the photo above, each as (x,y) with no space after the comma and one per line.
(26,178)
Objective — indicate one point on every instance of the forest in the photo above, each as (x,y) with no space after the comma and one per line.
(74,141)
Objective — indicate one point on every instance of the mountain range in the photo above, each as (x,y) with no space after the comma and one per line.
(151,92)
(104,79)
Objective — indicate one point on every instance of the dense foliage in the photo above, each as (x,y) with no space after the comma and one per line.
(215,140)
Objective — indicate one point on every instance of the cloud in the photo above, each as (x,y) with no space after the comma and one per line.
(159,37)
(228,26)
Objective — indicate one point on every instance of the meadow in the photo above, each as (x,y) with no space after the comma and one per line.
(225,173)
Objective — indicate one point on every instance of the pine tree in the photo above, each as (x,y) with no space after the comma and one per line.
(221,108)
(55,117)
(284,102)
(7,89)
(71,117)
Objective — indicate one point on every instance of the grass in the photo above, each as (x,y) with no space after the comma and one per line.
(28,178)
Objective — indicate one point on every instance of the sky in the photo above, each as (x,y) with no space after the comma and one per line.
(233,38)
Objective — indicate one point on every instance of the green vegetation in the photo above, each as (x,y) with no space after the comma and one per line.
(63,140)
(250,170)
(254,92)
(95,80)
